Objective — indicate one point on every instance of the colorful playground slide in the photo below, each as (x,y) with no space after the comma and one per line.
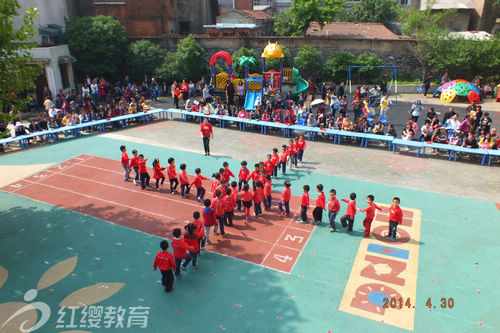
(252,94)
(302,84)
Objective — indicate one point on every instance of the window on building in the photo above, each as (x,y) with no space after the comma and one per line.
(405,2)
(184,27)
(64,69)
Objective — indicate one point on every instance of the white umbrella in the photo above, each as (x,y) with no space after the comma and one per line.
(318,101)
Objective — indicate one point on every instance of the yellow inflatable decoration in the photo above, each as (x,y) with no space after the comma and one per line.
(448,95)
(273,50)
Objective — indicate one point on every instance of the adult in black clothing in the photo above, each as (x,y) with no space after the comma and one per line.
(383,87)
(427,84)
(450,113)
(230,92)
(430,115)
(485,123)
(470,141)
(341,90)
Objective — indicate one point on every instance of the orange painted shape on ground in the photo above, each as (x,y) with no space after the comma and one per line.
(281,258)
(498,206)
(94,186)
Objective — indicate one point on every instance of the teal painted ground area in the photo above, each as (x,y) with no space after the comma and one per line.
(458,251)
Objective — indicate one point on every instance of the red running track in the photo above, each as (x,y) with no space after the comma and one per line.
(94,186)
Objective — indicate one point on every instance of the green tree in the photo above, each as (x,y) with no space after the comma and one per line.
(308,61)
(98,44)
(369,75)
(377,11)
(239,70)
(15,44)
(304,12)
(283,24)
(187,63)
(336,65)
(274,64)
(143,57)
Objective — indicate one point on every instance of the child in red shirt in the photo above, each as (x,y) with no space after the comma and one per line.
(258,197)
(285,199)
(268,188)
(228,201)
(301,146)
(215,183)
(283,159)
(218,207)
(200,229)
(243,175)
(172,175)
(183,180)
(125,163)
(333,209)
(164,260)
(351,212)
(191,237)
(143,172)
(246,200)
(157,172)
(370,214)
(197,182)
(320,205)
(292,153)
(134,164)
(255,175)
(227,173)
(269,165)
(208,220)
(180,252)
(395,218)
(276,161)
(304,204)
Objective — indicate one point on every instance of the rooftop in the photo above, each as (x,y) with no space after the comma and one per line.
(352,30)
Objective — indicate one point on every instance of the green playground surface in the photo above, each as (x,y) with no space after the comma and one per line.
(459,243)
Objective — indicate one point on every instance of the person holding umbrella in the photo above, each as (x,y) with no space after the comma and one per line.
(206,132)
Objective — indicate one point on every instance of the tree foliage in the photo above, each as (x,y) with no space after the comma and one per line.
(274,64)
(336,65)
(15,44)
(239,70)
(187,63)
(98,44)
(376,11)
(308,61)
(283,24)
(143,57)
(304,12)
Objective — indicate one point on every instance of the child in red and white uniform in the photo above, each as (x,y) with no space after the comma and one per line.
(200,229)
(276,161)
(301,146)
(209,220)
(304,204)
(165,261)
(134,164)
(333,209)
(183,180)
(246,200)
(180,252)
(143,171)
(157,172)
(218,207)
(269,165)
(292,153)
(283,158)
(198,183)
(172,175)
(320,205)
(229,203)
(268,189)
(191,237)
(258,197)
(234,193)
(395,218)
(255,175)
(125,163)
(370,214)
(350,214)
(227,173)
(243,175)
(215,183)
(285,199)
